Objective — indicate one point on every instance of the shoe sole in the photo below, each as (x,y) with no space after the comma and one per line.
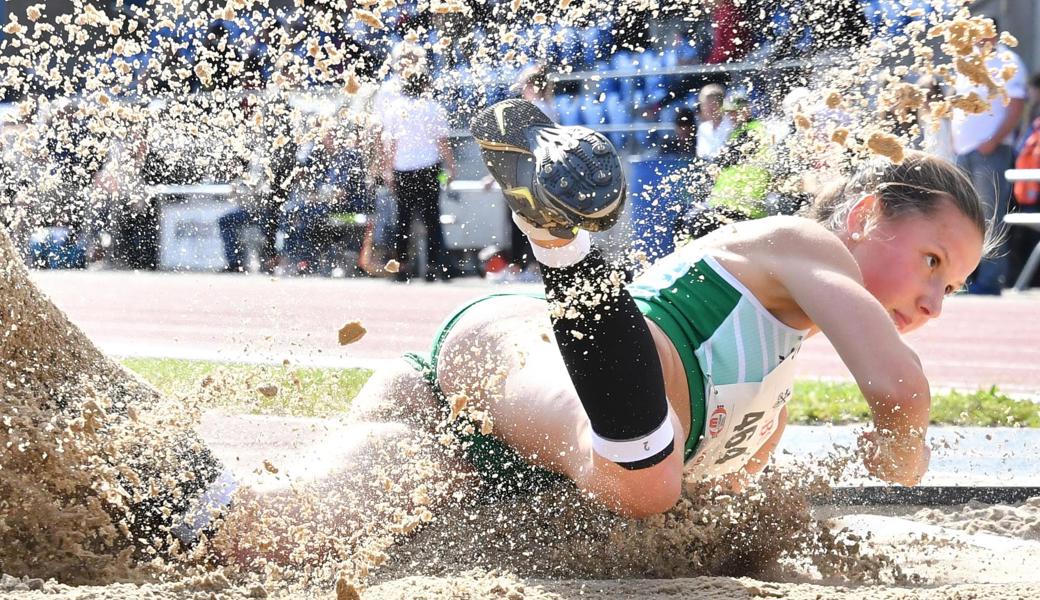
(559,178)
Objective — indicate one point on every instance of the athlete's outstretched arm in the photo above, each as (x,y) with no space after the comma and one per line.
(824,279)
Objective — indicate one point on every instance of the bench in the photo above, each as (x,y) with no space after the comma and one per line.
(1030,220)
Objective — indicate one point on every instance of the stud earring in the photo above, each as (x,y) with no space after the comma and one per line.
(856,236)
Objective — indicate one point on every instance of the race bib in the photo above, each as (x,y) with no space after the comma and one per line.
(740,418)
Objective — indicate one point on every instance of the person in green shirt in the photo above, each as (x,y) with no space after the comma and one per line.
(743,180)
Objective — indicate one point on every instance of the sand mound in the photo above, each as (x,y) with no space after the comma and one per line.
(77,447)
(1019,521)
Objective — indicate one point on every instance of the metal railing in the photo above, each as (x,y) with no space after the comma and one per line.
(822,60)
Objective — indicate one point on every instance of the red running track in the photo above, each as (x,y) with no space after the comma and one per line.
(978,342)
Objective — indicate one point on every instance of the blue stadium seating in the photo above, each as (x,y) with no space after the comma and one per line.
(593,112)
(618,113)
(568,109)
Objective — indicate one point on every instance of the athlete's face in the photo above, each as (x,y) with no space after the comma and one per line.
(911,263)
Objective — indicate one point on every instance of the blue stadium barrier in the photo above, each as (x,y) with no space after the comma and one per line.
(56,248)
(653,215)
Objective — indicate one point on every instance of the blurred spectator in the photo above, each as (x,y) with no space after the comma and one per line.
(1030,113)
(789,153)
(304,221)
(64,208)
(732,37)
(682,142)
(264,182)
(983,143)
(534,86)
(1026,196)
(260,59)
(332,182)
(218,55)
(266,185)
(794,28)
(415,141)
(695,44)
(132,213)
(631,28)
(713,125)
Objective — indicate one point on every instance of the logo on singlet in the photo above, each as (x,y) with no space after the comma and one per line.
(717,421)
(767,428)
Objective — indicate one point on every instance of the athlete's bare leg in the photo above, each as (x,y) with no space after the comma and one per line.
(396,393)
(502,356)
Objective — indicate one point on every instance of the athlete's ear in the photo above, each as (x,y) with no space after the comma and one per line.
(864,214)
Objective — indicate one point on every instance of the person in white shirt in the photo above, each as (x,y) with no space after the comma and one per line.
(415,141)
(984,147)
(713,125)
(936,129)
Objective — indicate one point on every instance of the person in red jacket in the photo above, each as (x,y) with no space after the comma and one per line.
(732,38)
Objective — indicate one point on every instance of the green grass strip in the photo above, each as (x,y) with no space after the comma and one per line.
(298,391)
(323,392)
(829,402)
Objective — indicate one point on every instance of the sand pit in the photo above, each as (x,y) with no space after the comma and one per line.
(479,584)
(509,551)
(558,547)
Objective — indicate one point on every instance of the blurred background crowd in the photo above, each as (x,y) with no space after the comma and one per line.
(293,163)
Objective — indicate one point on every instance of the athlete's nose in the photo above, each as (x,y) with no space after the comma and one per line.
(931,303)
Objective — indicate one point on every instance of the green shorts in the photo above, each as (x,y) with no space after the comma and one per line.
(503,472)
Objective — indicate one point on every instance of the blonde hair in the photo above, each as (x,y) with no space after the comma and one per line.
(917,186)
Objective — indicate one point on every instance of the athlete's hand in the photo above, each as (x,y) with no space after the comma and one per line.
(895,460)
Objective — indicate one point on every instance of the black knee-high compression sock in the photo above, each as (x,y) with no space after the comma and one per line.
(611,357)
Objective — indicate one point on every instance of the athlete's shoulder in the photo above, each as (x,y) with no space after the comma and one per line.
(798,239)
(796,231)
